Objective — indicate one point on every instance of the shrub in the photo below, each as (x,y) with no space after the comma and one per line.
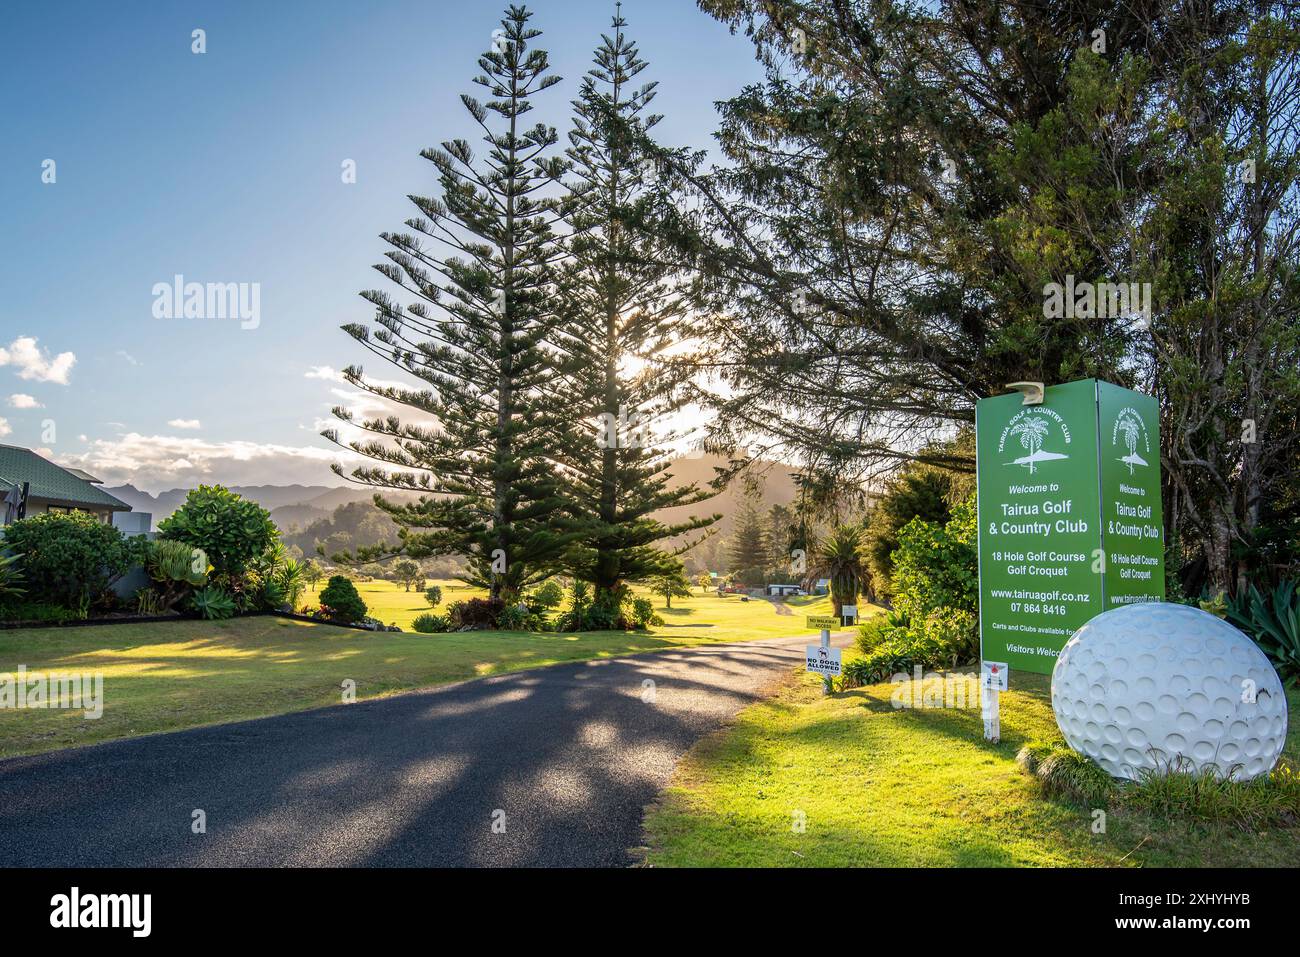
(918,491)
(433,595)
(71,559)
(1273,621)
(520,618)
(643,614)
(341,598)
(935,621)
(549,594)
(936,566)
(11,578)
(39,613)
(475,613)
(231,530)
(430,624)
(213,603)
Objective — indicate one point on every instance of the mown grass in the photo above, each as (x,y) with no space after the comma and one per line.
(876,786)
(164,676)
(704,615)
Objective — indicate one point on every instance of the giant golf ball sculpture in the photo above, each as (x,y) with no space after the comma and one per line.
(1159,686)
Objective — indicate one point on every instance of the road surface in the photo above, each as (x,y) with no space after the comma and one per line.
(547,767)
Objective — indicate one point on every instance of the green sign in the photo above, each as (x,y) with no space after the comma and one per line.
(823,621)
(1069,515)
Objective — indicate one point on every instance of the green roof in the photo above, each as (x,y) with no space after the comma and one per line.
(49,481)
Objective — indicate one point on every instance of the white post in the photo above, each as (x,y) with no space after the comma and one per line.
(826,643)
(989,707)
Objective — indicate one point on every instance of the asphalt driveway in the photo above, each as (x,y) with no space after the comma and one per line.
(547,767)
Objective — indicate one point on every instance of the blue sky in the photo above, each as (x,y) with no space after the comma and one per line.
(226,167)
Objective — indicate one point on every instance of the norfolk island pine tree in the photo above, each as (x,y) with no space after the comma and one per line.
(620,303)
(474,335)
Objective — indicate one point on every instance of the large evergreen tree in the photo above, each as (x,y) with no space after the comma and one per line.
(621,311)
(479,265)
(749,541)
(909,180)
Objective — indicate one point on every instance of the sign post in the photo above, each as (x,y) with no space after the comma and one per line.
(822,658)
(1069,515)
(993,681)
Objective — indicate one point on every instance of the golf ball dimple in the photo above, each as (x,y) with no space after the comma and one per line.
(1158,686)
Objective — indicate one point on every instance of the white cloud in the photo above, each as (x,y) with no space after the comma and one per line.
(185,423)
(159,462)
(323,372)
(35,363)
(20,401)
(5,427)
(128,357)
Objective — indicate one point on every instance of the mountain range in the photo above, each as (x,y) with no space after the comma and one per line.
(300,505)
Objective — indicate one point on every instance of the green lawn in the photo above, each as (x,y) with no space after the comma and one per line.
(886,787)
(704,616)
(180,674)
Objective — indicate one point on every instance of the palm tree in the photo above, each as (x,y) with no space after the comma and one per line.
(842,558)
(1032,431)
(1129,427)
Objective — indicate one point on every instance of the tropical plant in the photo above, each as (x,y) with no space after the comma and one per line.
(176,568)
(289,579)
(343,600)
(433,595)
(1273,621)
(71,558)
(11,577)
(213,603)
(841,557)
(232,531)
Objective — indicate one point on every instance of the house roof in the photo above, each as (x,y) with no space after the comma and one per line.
(50,482)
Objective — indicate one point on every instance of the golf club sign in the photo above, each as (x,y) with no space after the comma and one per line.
(1070,522)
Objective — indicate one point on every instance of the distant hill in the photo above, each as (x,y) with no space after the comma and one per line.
(306,505)
(771,483)
(323,498)
(299,516)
